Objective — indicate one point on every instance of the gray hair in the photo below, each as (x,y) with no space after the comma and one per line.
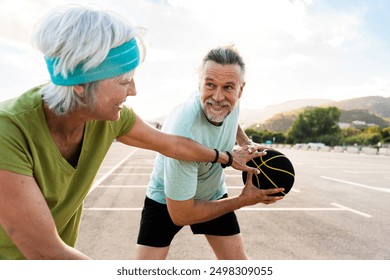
(79,34)
(224,55)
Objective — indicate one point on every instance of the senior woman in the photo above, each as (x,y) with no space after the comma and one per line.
(55,136)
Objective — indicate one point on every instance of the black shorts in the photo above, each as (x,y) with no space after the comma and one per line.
(157,228)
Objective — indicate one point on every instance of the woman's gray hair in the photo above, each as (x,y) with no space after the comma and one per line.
(78,34)
(224,55)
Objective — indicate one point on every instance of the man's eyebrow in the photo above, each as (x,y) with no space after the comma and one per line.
(227,83)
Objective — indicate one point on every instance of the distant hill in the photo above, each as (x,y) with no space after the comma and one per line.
(377,105)
(283,121)
(348,116)
(278,118)
(278,123)
(371,109)
(250,117)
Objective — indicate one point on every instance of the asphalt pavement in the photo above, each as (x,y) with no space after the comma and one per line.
(338,209)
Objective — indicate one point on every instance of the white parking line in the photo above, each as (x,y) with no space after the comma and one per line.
(339,207)
(104,177)
(352,210)
(144,186)
(356,184)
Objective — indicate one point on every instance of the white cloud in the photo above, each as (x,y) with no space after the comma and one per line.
(343,30)
(21,68)
(295,59)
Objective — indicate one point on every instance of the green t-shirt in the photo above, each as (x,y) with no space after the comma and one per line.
(27,147)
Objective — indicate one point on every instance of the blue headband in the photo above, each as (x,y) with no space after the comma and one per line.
(119,60)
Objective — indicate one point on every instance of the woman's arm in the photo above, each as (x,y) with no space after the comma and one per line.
(145,136)
(27,220)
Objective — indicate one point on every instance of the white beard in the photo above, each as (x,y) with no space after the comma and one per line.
(215,116)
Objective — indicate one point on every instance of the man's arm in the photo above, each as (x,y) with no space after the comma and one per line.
(191,211)
(241,138)
(244,141)
(27,220)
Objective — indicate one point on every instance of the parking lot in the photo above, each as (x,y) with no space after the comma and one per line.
(338,209)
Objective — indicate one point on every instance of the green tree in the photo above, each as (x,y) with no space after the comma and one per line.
(386,134)
(250,132)
(349,132)
(316,125)
(261,136)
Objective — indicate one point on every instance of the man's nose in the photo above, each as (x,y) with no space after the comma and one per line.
(218,95)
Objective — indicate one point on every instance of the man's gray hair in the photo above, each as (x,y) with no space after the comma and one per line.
(225,55)
(79,34)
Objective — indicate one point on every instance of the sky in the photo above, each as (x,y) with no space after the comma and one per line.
(293,49)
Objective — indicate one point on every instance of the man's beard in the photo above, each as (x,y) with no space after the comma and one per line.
(213,116)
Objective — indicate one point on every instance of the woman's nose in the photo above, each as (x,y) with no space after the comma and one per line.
(132,91)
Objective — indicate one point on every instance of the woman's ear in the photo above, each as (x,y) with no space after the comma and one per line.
(79,90)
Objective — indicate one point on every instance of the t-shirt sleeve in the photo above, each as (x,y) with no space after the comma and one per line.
(127,120)
(180,178)
(14,152)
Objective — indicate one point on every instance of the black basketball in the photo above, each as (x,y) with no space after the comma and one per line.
(276,171)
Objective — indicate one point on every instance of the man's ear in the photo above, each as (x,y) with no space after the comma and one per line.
(79,90)
(241,89)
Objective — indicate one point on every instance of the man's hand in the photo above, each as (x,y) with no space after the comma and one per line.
(251,195)
(241,155)
(253,146)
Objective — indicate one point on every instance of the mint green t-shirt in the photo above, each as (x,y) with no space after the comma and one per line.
(27,147)
(182,180)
